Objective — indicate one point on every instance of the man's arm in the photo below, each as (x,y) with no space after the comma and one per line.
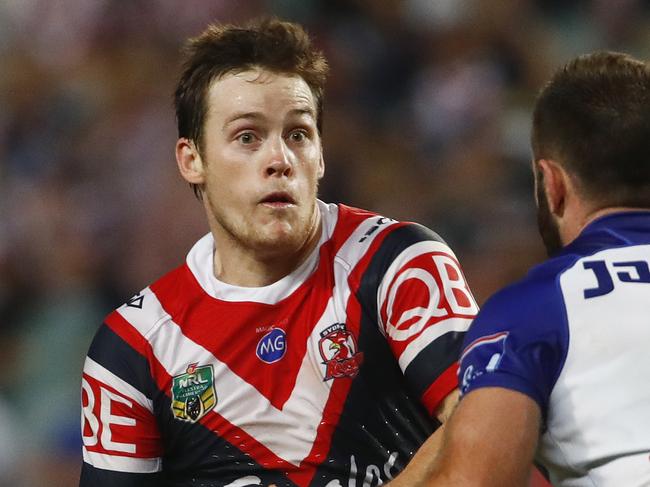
(447,406)
(122,443)
(490,440)
(423,307)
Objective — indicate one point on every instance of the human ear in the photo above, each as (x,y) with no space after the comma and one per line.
(189,161)
(554,179)
(321,166)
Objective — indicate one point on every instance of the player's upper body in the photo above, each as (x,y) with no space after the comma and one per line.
(556,366)
(301,343)
(333,373)
(573,337)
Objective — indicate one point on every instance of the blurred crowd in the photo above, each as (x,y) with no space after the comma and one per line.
(427,119)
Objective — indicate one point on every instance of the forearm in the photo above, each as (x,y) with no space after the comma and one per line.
(420,468)
(489,442)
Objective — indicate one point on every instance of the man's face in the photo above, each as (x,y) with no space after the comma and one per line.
(263,159)
(548,227)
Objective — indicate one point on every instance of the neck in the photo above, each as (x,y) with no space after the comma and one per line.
(570,232)
(251,267)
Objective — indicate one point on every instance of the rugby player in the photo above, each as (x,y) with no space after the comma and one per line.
(556,367)
(301,343)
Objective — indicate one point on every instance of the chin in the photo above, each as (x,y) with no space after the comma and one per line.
(280,237)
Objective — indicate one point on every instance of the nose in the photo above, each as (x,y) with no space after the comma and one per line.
(278,162)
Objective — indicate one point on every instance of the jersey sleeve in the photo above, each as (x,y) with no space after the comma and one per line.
(518,341)
(121,440)
(424,308)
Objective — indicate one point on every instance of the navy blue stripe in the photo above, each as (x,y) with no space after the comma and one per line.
(437,357)
(110,351)
(393,245)
(444,351)
(382,414)
(211,461)
(98,477)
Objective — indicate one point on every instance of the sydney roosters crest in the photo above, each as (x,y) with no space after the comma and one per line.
(338,348)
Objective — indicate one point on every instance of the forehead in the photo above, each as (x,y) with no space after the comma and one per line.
(258,90)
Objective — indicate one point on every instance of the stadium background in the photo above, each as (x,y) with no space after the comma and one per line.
(426,119)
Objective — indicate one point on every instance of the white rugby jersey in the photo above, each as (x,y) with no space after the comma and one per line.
(328,377)
(574,335)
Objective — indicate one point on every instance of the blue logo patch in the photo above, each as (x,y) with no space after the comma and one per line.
(480,357)
(272,346)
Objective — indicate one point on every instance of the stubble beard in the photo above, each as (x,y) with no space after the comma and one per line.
(267,241)
(548,228)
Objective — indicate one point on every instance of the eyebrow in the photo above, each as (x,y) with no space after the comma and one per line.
(259,116)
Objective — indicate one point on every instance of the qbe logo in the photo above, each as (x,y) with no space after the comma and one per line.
(427,289)
(272,346)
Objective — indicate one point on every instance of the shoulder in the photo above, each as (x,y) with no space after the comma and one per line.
(397,265)
(375,248)
(409,230)
(527,298)
(539,298)
(519,339)
(533,306)
(137,320)
(385,237)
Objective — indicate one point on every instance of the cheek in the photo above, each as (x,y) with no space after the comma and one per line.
(226,188)
(314,167)
(320,167)
(228,171)
(311,177)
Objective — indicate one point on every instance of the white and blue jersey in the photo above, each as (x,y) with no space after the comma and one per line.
(574,335)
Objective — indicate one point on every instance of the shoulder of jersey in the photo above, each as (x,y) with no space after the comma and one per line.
(373,223)
(534,302)
(354,225)
(535,297)
(145,309)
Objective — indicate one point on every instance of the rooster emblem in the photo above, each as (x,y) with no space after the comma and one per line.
(338,349)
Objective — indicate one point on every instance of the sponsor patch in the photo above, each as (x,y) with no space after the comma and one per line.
(193,393)
(338,349)
(272,346)
(482,356)
(427,289)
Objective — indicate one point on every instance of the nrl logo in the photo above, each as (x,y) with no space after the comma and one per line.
(338,349)
(193,393)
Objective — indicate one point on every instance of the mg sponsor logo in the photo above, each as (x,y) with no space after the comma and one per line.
(272,346)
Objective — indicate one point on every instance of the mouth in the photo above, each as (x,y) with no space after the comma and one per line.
(278,199)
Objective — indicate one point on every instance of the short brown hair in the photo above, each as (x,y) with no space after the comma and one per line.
(268,43)
(593,117)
